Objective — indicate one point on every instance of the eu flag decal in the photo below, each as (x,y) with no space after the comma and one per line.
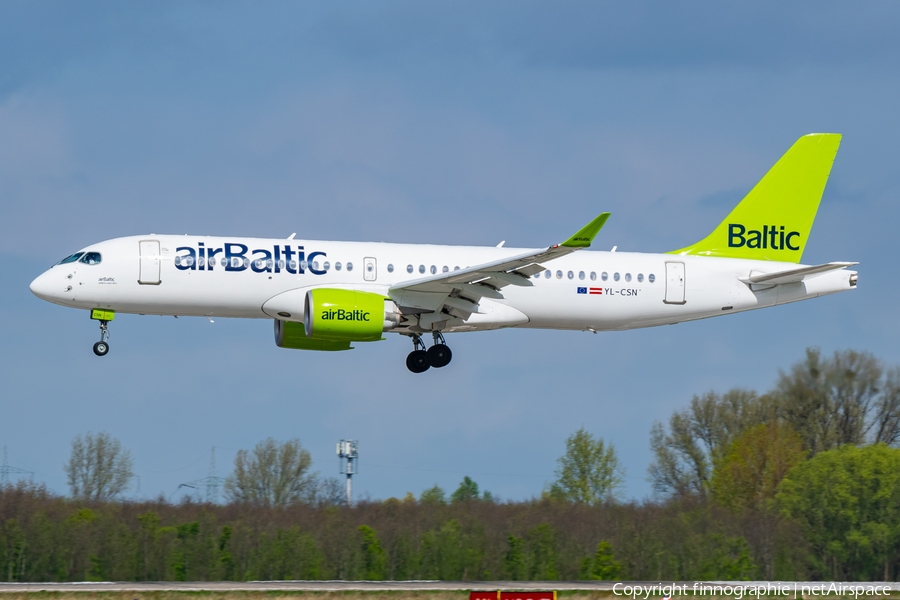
(582,290)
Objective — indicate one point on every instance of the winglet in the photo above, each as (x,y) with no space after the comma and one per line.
(586,234)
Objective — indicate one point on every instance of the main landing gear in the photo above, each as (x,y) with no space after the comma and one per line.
(420,359)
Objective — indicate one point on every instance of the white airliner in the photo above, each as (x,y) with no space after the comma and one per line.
(325,295)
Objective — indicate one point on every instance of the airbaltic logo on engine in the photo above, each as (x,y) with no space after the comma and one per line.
(344,315)
(770,237)
(237,257)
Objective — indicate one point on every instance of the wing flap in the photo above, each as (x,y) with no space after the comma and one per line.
(439,292)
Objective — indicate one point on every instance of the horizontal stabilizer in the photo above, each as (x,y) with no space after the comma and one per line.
(795,275)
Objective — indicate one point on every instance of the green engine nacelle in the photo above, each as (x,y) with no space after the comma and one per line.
(293,335)
(348,315)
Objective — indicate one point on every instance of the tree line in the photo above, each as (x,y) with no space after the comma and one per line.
(801,482)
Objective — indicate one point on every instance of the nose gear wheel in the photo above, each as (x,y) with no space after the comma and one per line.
(102,347)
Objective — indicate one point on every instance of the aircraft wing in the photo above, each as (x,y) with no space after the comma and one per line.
(458,292)
(795,275)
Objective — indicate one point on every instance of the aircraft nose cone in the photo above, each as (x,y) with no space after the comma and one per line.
(42,286)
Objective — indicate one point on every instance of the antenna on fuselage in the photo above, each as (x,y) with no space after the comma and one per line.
(290,237)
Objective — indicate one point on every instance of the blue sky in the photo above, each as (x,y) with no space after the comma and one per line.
(456,123)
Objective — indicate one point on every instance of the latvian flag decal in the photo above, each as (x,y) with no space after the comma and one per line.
(596,290)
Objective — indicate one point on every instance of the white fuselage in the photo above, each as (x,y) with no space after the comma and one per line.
(619,290)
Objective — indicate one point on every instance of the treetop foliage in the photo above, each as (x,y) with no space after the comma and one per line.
(272,474)
(98,469)
(588,472)
(849,398)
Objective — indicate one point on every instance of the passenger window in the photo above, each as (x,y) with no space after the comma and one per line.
(337,266)
(409,268)
(390,268)
(281,265)
(571,275)
(593,276)
(627,276)
(224,262)
(446,269)
(91,258)
(651,277)
(349,266)
(422,269)
(291,265)
(640,277)
(580,274)
(327,265)
(604,276)
(433,269)
(559,274)
(615,276)
(547,274)
(456,268)
(315,265)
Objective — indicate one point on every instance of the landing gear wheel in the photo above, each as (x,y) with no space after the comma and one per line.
(417,361)
(439,355)
(101,348)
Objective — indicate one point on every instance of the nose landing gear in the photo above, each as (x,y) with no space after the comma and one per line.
(420,360)
(104,316)
(102,347)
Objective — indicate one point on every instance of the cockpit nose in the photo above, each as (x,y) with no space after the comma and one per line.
(43,286)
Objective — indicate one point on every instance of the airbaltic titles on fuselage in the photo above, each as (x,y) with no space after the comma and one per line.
(238,257)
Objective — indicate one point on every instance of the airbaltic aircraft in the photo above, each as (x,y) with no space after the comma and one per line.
(325,295)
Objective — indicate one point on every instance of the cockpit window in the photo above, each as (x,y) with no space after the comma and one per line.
(70,259)
(91,258)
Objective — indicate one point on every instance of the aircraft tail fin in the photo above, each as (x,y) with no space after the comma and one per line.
(773,221)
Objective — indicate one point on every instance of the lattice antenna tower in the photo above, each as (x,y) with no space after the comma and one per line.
(5,470)
(211,482)
(348,453)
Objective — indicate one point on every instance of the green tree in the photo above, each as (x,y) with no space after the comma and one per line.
(844,399)
(542,551)
(274,474)
(727,558)
(603,567)
(698,437)
(467,490)
(98,469)
(589,471)
(433,495)
(846,501)
(373,554)
(514,562)
(749,474)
